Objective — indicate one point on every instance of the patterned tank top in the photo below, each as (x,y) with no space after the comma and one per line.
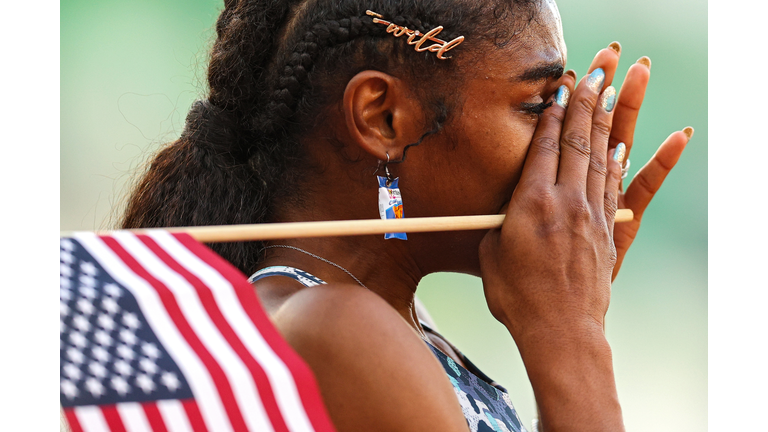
(486,405)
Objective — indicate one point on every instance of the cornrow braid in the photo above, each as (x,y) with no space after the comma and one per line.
(293,78)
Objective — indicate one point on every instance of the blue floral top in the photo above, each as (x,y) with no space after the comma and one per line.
(486,405)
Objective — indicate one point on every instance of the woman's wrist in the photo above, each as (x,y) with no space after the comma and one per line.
(571,372)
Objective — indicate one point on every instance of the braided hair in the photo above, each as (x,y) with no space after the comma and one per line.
(274,67)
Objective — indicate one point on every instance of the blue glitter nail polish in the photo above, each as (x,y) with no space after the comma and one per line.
(562,95)
(608,99)
(620,153)
(595,79)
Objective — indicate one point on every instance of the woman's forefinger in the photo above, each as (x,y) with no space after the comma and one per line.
(544,153)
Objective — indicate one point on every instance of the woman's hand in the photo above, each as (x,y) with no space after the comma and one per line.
(648,180)
(547,271)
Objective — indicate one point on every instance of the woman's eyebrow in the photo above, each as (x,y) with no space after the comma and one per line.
(541,72)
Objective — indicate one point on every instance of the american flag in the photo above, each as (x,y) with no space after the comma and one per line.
(158,333)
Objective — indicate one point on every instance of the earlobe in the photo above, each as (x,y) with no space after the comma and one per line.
(378,113)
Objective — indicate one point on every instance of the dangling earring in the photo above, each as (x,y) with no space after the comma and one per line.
(390,200)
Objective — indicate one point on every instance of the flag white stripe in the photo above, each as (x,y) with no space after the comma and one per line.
(133,417)
(91,419)
(174,416)
(283,385)
(191,366)
(238,375)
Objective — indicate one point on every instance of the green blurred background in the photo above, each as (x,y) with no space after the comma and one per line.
(130,70)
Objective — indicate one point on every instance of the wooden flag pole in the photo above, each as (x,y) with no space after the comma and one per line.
(276,231)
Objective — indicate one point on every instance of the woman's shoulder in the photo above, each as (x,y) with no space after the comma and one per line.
(316,300)
(345,322)
(371,366)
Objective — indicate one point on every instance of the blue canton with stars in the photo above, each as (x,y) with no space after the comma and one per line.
(109,354)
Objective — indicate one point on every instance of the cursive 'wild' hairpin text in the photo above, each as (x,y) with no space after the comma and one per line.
(440,46)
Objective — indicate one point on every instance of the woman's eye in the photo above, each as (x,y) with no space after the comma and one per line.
(534,108)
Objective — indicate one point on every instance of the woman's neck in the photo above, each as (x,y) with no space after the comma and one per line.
(382,266)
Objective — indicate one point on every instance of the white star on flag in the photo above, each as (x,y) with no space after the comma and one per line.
(66,244)
(113,290)
(150,350)
(130,320)
(145,383)
(66,257)
(103,338)
(97,370)
(94,386)
(125,352)
(81,323)
(63,309)
(85,306)
(123,368)
(148,366)
(75,355)
(86,280)
(69,389)
(78,339)
(170,381)
(106,322)
(87,291)
(128,337)
(72,371)
(120,385)
(109,305)
(88,268)
(100,354)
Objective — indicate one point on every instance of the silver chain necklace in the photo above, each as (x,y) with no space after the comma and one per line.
(321,259)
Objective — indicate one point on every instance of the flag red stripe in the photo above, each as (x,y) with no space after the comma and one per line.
(209,303)
(302,375)
(194,415)
(174,311)
(74,424)
(154,417)
(112,417)
(309,392)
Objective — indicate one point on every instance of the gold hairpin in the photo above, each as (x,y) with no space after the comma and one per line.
(440,46)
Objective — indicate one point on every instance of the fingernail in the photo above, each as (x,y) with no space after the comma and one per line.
(688,132)
(644,60)
(615,46)
(570,72)
(620,153)
(608,98)
(595,79)
(562,95)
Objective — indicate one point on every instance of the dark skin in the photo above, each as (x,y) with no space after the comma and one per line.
(546,272)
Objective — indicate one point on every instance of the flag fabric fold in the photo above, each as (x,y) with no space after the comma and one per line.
(158,333)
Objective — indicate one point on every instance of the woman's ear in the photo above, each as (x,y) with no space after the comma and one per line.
(379,115)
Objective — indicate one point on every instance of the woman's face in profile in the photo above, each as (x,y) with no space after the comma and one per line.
(488,137)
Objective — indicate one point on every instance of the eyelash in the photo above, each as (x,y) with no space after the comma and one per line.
(537,109)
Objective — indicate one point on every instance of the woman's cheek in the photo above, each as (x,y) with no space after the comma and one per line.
(520,141)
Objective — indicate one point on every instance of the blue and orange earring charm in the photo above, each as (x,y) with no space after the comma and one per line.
(390,199)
